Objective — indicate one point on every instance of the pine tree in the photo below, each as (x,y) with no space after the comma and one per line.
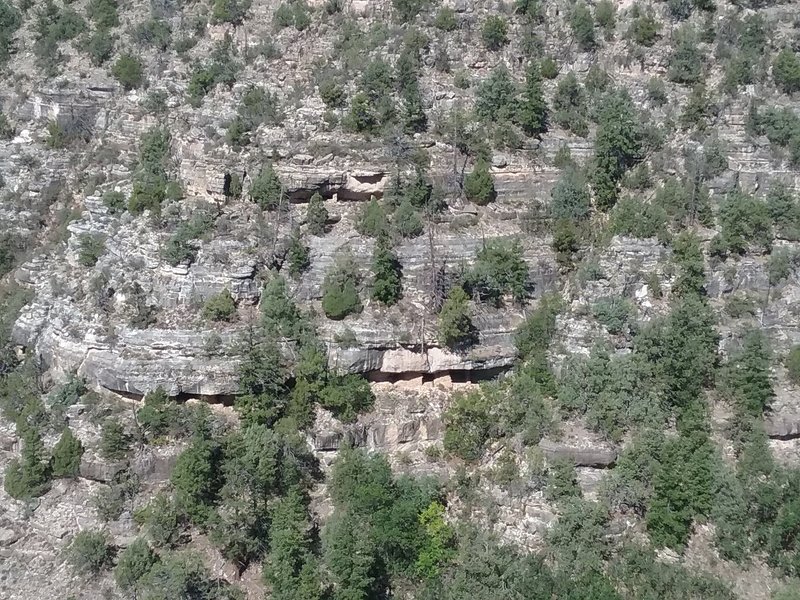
(267,190)
(387,286)
(372,219)
(66,458)
(340,290)
(455,320)
(479,184)
(786,71)
(134,563)
(316,215)
(28,476)
(532,110)
(617,147)
(297,255)
(582,25)
(291,567)
(406,220)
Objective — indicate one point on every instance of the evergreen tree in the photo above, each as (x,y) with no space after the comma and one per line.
(340,290)
(133,564)
(372,219)
(569,105)
(617,146)
(196,479)
(531,112)
(291,567)
(479,184)
(387,285)
(267,190)
(683,489)
(279,314)
(67,452)
(786,71)
(316,215)
(28,476)
(685,63)
(297,255)
(115,442)
(158,416)
(495,98)
(455,320)
(351,556)
(570,197)
(406,220)
(582,25)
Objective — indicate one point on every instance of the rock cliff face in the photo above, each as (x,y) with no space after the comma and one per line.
(131,320)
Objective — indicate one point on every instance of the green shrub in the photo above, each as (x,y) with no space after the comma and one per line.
(549,68)
(372,219)
(792,364)
(90,249)
(346,396)
(617,147)
(639,219)
(744,221)
(57,137)
(115,442)
(570,197)
(28,476)
(6,129)
(162,520)
(479,184)
(66,456)
(298,255)
(153,33)
(532,112)
(115,202)
(89,552)
(562,480)
(496,96)
(680,10)
(613,312)
(229,11)
(316,215)
(469,424)
(150,177)
(134,563)
(387,283)
(332,93)
(10,21)
(221,307)
(406,220)
(657,91)
(362,117)
(455,320)
(100,47)
(606,17)
(494,32)
(129,71)
(499,269)
(267,190)
(445,19)
(569,105)
(685,62)
(103,13)
(294,14)
(340,290)
(407,10)
(582,25)
(644,29)
(786,71)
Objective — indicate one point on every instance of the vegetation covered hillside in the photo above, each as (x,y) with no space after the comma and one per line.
(353,300)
